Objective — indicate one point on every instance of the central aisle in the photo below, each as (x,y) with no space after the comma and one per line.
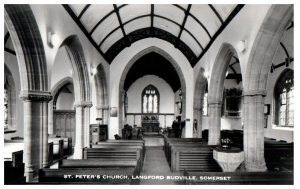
(155,164)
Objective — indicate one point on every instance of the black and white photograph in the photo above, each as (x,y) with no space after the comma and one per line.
(148,93)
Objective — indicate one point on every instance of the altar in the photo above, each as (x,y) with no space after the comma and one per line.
(150,123)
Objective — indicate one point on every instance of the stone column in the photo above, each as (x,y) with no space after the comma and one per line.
(87,124)
(82,128)
(102,112)
(198,114)
(35,131)
(50,118)
(214,113)
(253,105)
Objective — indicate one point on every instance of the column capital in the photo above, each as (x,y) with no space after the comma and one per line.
(255,93)
(35,96)
(102,107)
(211,102)
(84,104)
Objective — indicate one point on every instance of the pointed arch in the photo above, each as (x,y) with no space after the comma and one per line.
(218,73)
(28,44)
(81,78)
(265,46)
(130,64)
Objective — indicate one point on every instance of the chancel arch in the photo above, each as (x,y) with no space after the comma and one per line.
(131,63)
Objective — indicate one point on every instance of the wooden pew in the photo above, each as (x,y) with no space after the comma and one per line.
(121,144)
(193,158)
(67,144)
(170,142)
(115,146)
(96,163)
(58,148)
(107,153)
(14,169)
(279,155)
(89,175)
(240,178)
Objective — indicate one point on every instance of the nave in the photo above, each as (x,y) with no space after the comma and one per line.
(126,90)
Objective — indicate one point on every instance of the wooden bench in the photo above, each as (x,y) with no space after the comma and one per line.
(240,178)
(14,169)
(67,144)
(101,163)
(108,153)
(169,141)
(190,142)
(89,175)
(193,158)
(58,148)
(279,155)
(139,147)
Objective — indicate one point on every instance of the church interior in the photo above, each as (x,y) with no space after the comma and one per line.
(149,94)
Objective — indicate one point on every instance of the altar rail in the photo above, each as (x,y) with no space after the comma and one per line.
(165,119)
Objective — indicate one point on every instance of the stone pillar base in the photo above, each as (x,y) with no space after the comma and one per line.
(78,153)
(251,167)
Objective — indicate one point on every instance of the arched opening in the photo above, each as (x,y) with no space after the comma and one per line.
(284,99)
(64,112)
(81,84)
(224,93)
(258,68)
(177,85)
(27,41)
(9,100)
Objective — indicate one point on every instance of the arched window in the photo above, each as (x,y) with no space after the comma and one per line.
(284,99)
(150,100)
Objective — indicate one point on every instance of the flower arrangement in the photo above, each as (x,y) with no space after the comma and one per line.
(225,142)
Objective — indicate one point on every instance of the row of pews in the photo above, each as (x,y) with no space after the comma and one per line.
(194,157)
(110,162)
(58,149)
(190,154)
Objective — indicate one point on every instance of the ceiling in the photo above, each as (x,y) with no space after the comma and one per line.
(153,64)
(191,28)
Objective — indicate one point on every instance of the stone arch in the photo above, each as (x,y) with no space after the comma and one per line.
(215,92)
(265,46)
(58,86)
(130,64)
(28,44)
(54,92)
(81,78)
(82,93)
(101,94)
(199,91)
(29,47)
(258,67)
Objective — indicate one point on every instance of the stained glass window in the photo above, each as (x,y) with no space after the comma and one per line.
(284,99)
(150,98)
